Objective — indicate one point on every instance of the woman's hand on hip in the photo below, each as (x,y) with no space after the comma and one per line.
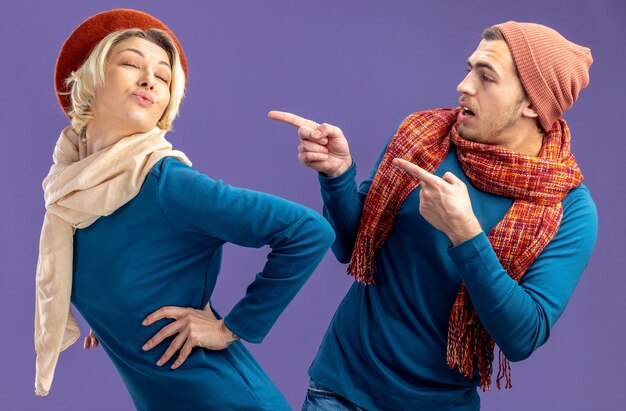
(195,328)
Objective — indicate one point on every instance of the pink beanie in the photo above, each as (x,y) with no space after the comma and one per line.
(552,69)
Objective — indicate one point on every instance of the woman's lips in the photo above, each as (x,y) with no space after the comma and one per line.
(143,99)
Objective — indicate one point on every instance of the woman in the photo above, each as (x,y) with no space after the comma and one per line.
(143,264)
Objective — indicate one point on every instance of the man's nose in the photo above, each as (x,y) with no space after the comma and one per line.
(465,86)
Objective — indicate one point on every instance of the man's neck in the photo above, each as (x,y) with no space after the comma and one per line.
(531,145)
(528,139)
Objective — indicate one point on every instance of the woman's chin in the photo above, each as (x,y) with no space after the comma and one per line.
(140,125)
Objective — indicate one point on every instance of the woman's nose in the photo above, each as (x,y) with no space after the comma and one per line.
(147,81)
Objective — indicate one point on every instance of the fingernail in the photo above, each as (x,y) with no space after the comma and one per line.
(174,366)
(145,347)
(145,322)
(159,363)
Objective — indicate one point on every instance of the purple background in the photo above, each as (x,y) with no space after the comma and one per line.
(363,65)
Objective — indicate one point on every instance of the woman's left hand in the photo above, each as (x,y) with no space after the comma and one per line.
(195,328)
(90,341)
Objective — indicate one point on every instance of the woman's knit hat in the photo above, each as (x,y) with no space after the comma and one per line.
(89,33)
(552,69)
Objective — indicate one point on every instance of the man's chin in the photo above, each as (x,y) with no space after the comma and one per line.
(468,136)
(462,131)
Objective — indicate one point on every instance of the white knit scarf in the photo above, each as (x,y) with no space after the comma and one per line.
(79,189)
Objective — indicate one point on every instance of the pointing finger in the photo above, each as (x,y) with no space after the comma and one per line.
(416,171)
(292,119)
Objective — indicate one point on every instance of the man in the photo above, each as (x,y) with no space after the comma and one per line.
(504,230)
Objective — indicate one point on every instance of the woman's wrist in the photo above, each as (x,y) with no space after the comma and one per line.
(229,336)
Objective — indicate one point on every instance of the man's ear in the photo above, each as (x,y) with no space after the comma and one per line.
(529,111)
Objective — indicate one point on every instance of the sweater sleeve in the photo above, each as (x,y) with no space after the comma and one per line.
(298,237)
(343,204)
(519,316)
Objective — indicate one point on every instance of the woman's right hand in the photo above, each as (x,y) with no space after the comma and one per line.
(323,147)
(193,328)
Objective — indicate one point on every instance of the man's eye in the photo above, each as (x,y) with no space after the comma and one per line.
(487,79)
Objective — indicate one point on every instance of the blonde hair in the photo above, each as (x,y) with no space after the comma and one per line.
(83,82)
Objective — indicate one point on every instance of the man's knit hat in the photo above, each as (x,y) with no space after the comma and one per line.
(552,69)
(90,32)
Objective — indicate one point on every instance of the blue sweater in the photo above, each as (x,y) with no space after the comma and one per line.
(164,248)
(386,345)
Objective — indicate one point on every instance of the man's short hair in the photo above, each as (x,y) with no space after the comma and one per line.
(492,33)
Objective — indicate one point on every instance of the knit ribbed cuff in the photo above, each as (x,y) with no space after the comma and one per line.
(334,183)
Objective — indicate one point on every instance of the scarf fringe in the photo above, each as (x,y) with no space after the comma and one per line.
(467,340)
(504,371)
(361,265)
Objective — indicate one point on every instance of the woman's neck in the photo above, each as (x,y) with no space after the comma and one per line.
(98,138)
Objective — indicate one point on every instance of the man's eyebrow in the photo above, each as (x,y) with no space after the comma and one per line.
(482,64)
(165,63)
